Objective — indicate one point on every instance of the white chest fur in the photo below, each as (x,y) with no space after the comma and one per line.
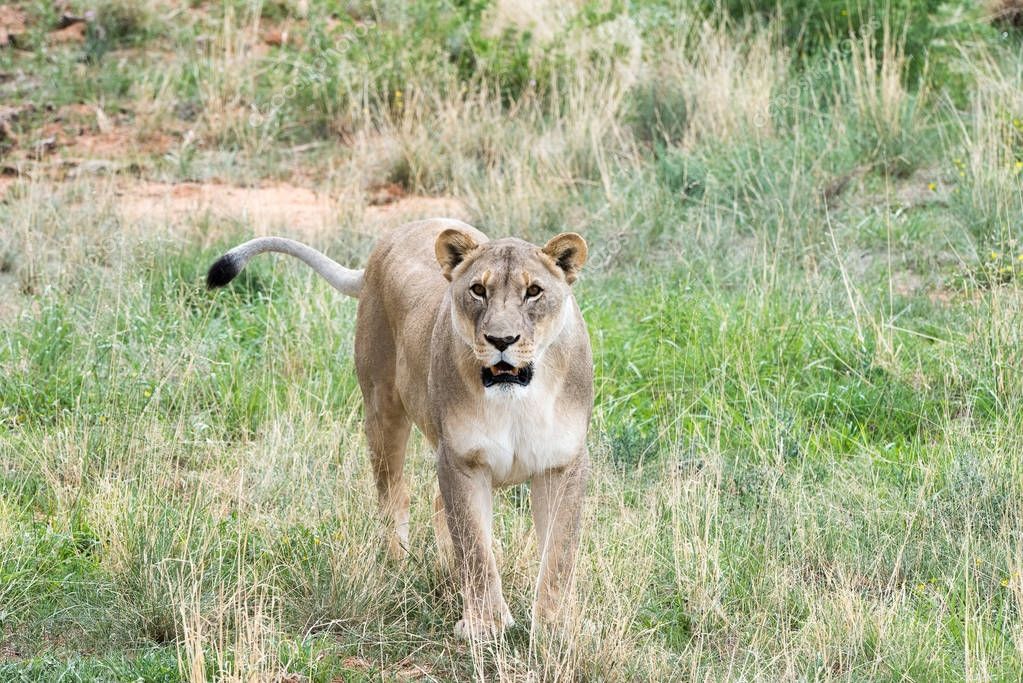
(517,432)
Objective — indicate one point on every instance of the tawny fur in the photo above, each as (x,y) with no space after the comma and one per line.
(424,334)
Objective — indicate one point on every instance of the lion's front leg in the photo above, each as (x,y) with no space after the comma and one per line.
(557,501)
(468,507)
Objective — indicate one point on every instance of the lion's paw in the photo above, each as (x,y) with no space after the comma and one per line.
(483,629)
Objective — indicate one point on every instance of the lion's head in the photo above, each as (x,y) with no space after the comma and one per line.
(509,298)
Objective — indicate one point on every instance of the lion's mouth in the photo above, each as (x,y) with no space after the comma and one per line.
(506,373)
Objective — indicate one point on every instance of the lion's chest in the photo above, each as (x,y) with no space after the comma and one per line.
(517,434)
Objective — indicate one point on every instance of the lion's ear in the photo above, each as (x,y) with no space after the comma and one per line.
(451,247)
(568,251)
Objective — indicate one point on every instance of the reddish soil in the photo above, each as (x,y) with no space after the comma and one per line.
(282,206)
(12,24)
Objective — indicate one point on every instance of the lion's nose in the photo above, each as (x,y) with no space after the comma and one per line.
(501,343)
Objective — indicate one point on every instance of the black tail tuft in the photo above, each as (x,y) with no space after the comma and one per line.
(223,271)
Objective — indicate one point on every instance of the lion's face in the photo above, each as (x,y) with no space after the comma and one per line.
(509,299)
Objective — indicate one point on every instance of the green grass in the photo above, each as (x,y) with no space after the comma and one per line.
(805,311)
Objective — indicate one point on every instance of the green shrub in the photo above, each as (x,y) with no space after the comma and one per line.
(119,23)
(658,113)
(811,26)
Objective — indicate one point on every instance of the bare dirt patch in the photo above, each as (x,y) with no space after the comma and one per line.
(115,143)
(74,32)
(78,134)
(279,207)
(87,132)
(12,24)
(261,207)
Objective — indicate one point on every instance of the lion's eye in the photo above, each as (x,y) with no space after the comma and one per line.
(534,291)
(478,290)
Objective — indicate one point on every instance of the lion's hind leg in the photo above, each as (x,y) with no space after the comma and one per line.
(387,424)
(387,433)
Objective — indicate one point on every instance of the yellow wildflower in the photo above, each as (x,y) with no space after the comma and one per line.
(932,186)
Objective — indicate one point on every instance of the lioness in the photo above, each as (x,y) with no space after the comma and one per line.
(481,344)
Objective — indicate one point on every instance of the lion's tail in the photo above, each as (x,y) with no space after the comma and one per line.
(227,267)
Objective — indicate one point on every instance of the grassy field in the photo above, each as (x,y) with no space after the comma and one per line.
(804,296)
